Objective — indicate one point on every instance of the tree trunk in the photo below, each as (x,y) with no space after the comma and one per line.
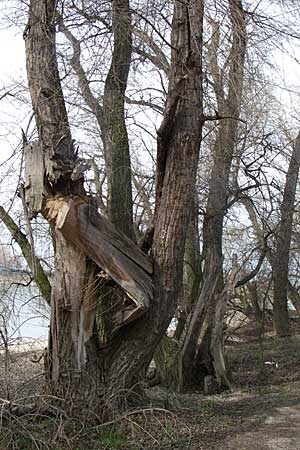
(81,369)
(257,311)
(229,105)
(179,140)
(111,117)
(283,242)
(166,354)
(201,312)
(292,291)
(217,337)
(118,166)
(72,341)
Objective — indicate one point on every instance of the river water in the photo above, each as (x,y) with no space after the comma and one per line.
(23,312)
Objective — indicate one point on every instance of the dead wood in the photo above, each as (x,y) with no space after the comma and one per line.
(118,256)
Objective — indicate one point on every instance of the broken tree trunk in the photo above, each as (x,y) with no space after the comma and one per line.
(81,224)
(79,363)
(51,169)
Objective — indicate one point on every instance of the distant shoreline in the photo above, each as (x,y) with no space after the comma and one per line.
(24,345)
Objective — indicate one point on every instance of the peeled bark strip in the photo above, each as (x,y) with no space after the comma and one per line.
(34,177)
(113,252)
(66,308)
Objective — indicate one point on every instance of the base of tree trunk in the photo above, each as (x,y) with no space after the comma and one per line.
(281,320)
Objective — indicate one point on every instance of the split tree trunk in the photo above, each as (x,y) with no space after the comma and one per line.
(80,368)
(179,140)
(72,348)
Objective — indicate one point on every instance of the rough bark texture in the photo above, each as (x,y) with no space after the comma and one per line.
(229,105)
(77,357)
(118,165)
(47,98)
(72,348)
(179,139)
(166,357)
(283,242)
(192,274)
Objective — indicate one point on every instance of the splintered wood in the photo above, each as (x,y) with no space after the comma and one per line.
(34,177)
(82,225)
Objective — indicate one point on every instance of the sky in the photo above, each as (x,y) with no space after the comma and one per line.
(12,53)
(25,319)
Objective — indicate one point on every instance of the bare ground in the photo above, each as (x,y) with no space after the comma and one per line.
(262,413)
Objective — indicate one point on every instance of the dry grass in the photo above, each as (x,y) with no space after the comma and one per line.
(197,423)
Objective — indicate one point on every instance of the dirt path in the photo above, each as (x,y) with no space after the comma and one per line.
(263,413)
(280,430)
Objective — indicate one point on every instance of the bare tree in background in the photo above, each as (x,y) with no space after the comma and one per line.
(283,235)
(229,105)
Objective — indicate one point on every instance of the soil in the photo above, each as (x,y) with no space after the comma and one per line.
(263,411)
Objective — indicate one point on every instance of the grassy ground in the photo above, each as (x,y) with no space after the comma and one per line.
(198,423)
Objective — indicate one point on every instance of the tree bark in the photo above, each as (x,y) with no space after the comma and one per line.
(80,368)
(283,243)
(223,151)
(167,362)
(118,166)
(73,346)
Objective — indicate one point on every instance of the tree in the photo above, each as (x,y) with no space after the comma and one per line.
(229,105)
(279,256)
(77,356)
(110,116)
(283,243)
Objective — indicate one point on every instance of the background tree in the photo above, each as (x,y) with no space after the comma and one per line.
(283,243)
